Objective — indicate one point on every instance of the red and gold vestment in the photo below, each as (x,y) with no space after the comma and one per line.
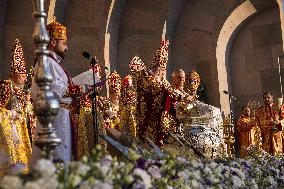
(244,127)
(271,140)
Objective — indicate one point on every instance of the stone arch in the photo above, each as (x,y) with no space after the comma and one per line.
(111,33)
(57,8)
(226,36)
(194,43)
(253,62)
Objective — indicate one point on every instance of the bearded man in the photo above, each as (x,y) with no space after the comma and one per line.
(64,90)
(270,125)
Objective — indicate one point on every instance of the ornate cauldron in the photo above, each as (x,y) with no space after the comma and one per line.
(202,127)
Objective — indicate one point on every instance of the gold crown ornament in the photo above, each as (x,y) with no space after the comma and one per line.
(192,80)
(56,30)
(18,64)
(136,64)
(161,56)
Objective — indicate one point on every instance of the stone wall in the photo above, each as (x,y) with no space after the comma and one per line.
(195,41)
(253,60)
(116,30)
(18,23)
(140,31)
(86,22)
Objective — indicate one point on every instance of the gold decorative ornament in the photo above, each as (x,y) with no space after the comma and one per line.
(56,30)
(192,81)
(228,136)
(136,64)
(114,82)
(161,56)
(18,65)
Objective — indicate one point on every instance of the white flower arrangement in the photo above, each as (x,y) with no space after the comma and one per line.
(257,171)
(146,179)
(11,182)
(45,167)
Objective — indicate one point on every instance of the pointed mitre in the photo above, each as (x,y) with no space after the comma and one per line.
(161,56)
(18,64)
(56,30)
(136,64)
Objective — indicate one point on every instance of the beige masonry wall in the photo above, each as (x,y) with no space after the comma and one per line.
(253,58)
(205,35)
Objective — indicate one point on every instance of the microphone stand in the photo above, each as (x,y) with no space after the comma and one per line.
(231,98)
(231,108)
(234,144)
(94,105)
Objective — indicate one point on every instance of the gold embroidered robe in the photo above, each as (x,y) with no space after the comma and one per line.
(14,137)
(128,122)
(85,142)
(271,140)
(244,127)
(153,108)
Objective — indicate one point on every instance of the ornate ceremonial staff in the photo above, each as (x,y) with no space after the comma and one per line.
(228,136)
(45,106)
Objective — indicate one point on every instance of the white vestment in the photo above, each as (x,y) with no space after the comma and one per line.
(62,122)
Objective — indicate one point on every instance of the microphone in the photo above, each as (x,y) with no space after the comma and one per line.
(93,59)
(227,93)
